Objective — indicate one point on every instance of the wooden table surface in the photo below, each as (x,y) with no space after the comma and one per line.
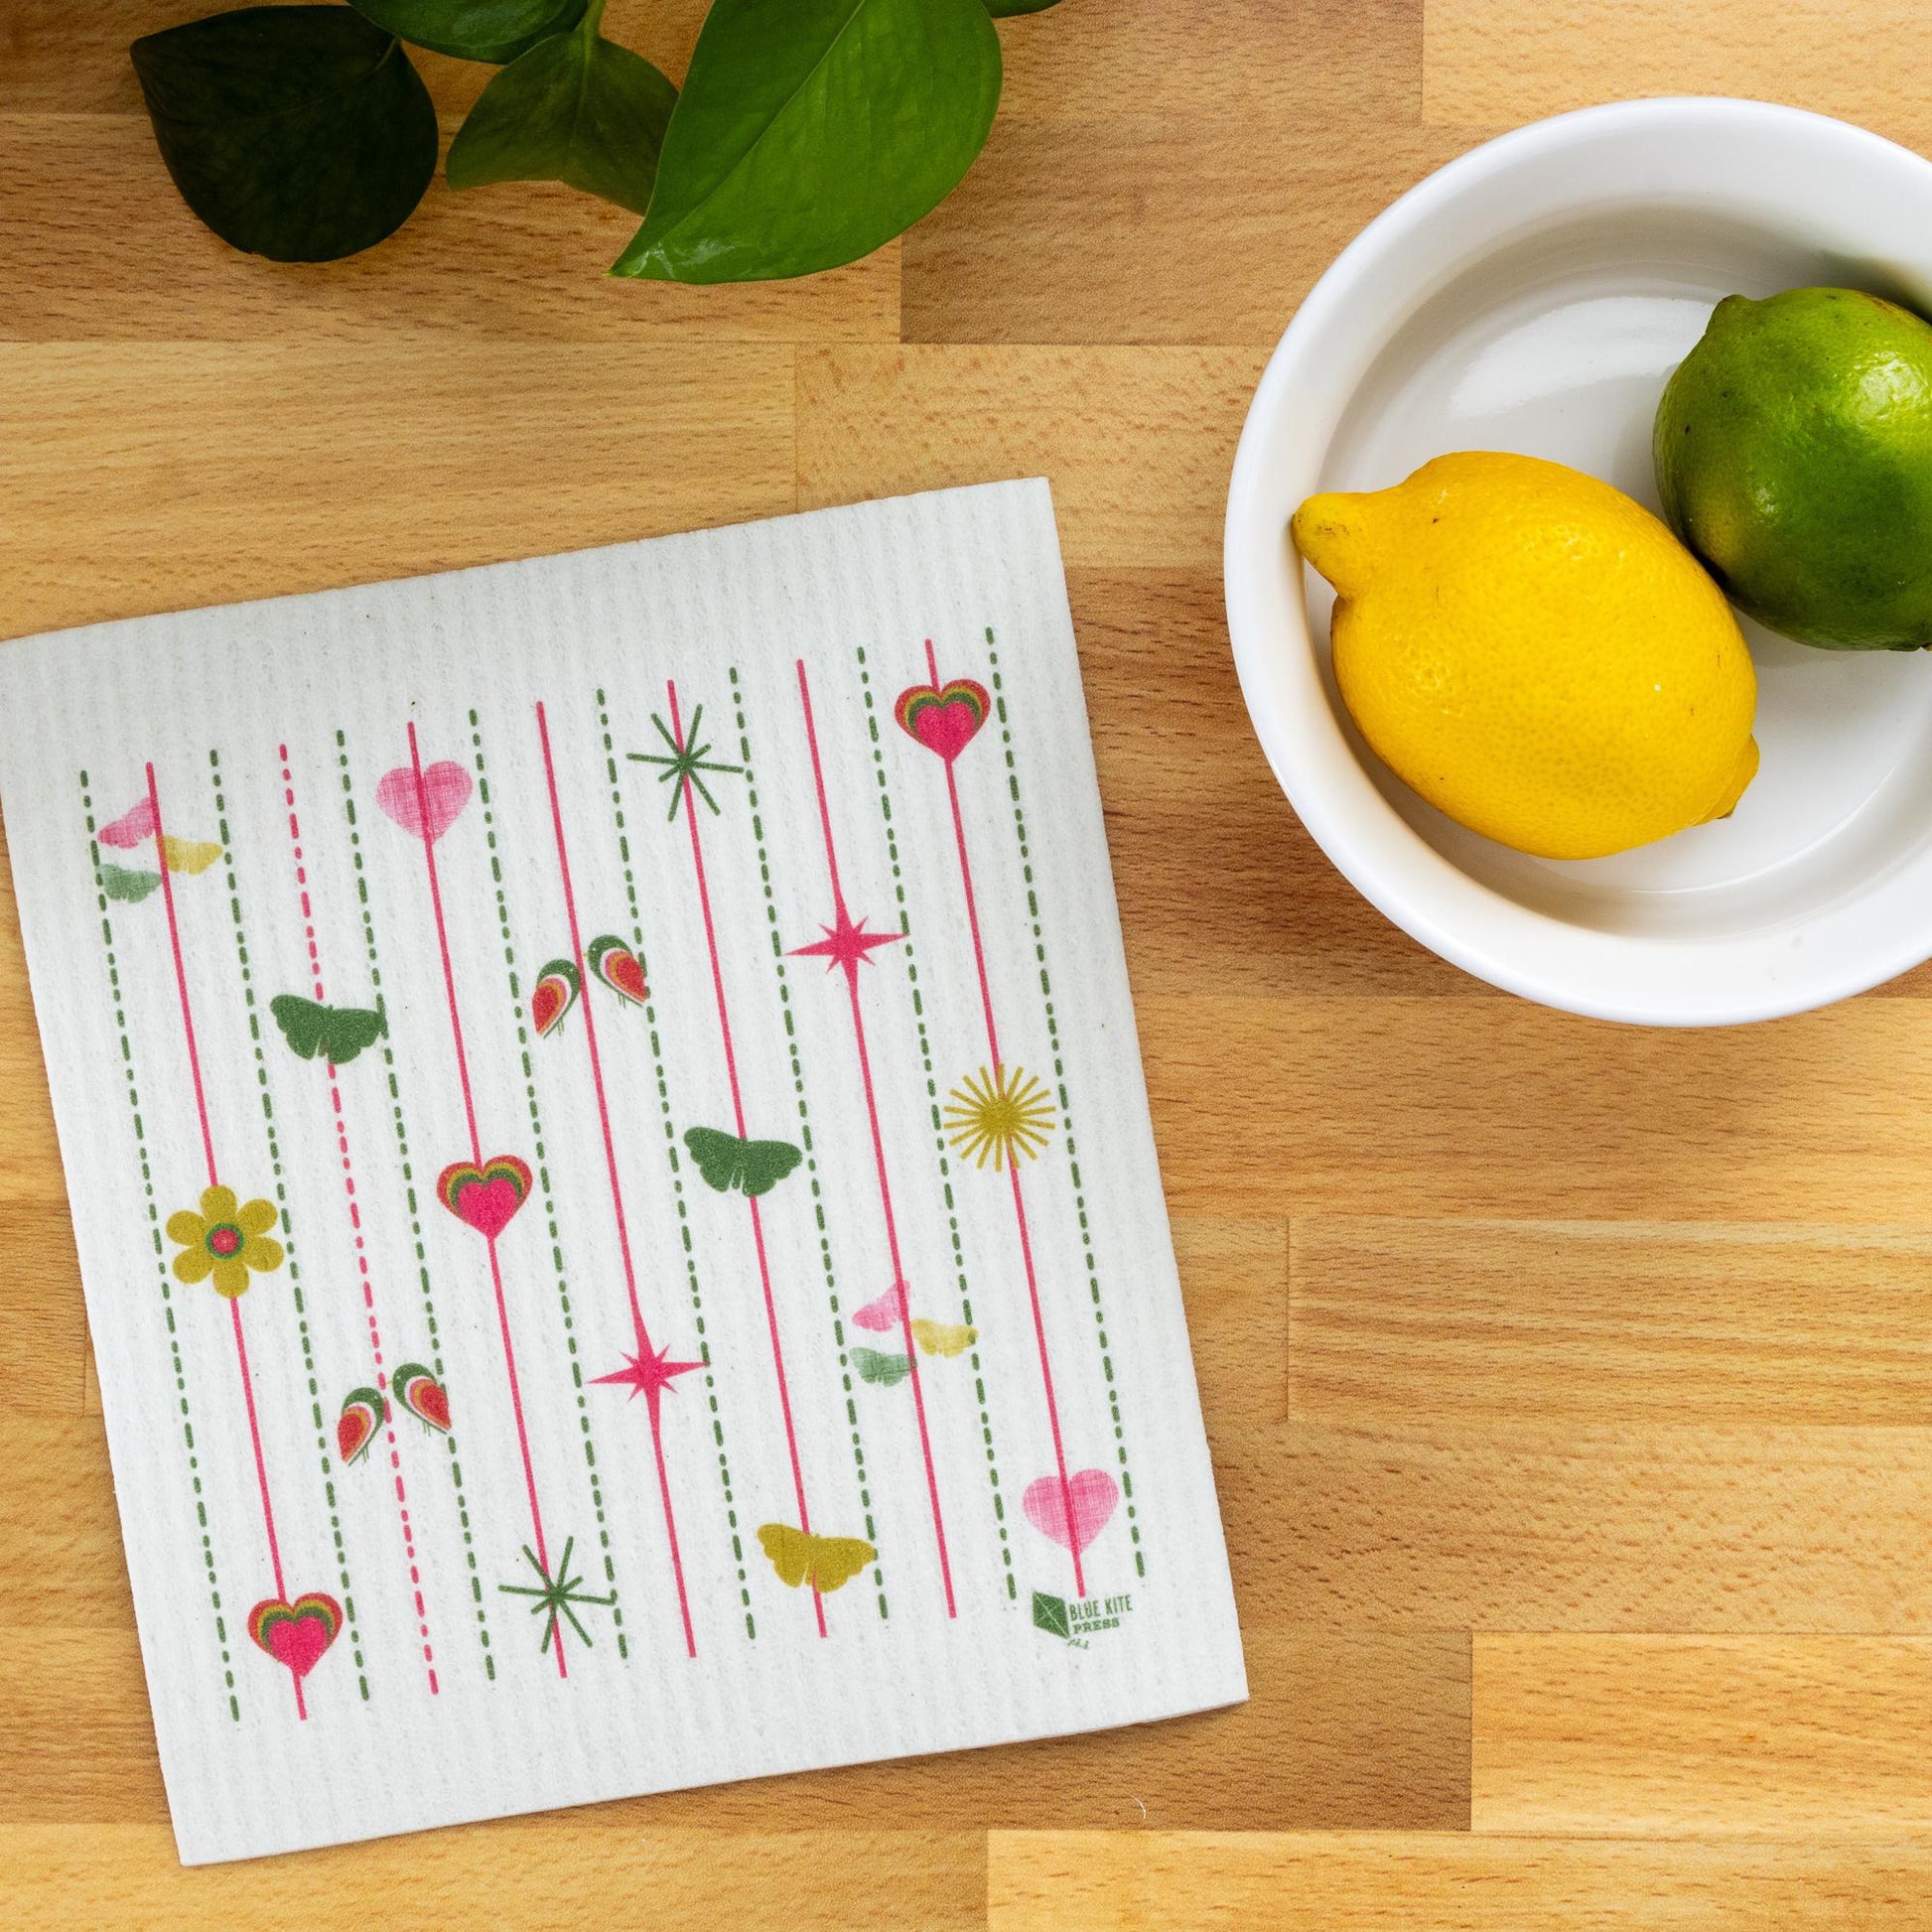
(1570,1387)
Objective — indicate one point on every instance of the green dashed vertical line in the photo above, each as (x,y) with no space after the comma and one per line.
(804,1123)
(670,1150)
(543,1181)
(1066,1112)
(409,1189)
(160,1257)
(932,1100)
(288,1233)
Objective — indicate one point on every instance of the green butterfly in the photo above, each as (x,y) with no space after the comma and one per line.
(333,1033)
(883,1369)
(753,1166)
(119,882)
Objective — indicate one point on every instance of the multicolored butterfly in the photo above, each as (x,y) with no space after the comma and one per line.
(827,1562)
(617,966)
(364,1411)
(559,986)
(423,1396)
(558,989)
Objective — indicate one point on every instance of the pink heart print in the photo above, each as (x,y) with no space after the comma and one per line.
(1093,1495)
(432,810)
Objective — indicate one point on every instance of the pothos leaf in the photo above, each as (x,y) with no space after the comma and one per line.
(575,108)
(473,30)
(299,133)
(811,132)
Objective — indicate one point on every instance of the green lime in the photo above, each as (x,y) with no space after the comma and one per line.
(1794,456)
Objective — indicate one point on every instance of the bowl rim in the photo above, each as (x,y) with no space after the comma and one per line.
(1578,969)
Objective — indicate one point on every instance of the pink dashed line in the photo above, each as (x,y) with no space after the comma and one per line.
(355,1228)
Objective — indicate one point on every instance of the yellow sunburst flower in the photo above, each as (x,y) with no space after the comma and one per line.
(999,1112)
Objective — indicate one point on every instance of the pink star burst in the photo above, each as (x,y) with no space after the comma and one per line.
(650,1375)
(847,944)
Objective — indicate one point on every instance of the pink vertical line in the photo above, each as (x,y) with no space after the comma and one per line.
(443,941)
(215,1181)
(355,1228)
(181,974)
(966,874)
(1019,1195)
(879,1150)
(1047,1378)
(261,1477)
(476,1154)
(738,1113)
(611,1166)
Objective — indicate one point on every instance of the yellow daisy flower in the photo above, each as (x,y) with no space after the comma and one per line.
(226,1241)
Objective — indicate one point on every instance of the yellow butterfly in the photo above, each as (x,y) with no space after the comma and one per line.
(187,855)
(823,1562)
(937,1340)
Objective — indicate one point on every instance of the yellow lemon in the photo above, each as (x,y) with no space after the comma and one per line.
(1535,653)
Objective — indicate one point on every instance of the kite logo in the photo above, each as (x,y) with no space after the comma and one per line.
(1082,1618)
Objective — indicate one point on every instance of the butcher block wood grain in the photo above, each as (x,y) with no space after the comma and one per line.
(1570,1387)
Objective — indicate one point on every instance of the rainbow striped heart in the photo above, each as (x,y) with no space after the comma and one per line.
(296,1634)
(943,718)
(485,1197)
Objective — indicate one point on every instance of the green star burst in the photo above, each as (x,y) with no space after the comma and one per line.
(557,1594)
(685,762)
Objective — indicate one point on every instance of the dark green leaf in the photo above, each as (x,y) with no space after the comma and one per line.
(1003,9)
(300,133)
(811,132)
(576,108)
(1049,1614)
(474,30)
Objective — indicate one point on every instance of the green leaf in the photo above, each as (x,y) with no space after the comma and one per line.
(576,108)
(811,132)
(1005,9)
(299,133)
(474,30)
(1049,1614)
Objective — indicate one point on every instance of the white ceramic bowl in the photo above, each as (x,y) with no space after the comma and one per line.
(1534,296)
